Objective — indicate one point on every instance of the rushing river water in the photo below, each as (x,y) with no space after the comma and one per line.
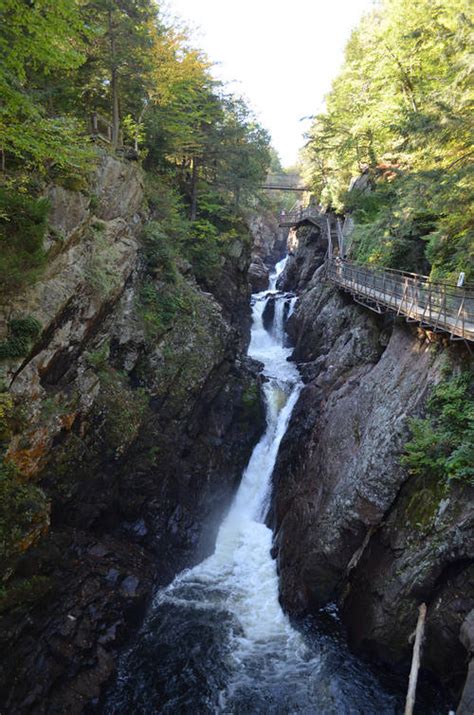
(216,639)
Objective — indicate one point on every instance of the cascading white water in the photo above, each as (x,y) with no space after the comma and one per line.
(216,639)
(242,563)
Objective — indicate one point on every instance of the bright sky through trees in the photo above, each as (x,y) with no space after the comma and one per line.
(281,56)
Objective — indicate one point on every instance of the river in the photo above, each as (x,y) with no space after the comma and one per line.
(216,639)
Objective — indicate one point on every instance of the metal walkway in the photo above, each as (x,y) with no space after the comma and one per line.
(435,306)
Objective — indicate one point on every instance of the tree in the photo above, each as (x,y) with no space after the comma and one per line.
(399,111)
(117,73)
(37,39)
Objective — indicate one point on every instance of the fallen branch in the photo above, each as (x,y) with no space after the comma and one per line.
(415,662)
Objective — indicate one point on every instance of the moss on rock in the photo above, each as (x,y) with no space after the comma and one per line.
(24,515)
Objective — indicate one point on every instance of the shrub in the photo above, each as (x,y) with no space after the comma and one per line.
(22,333)
(167,206)
(442,443)
(98,359)
(100,272)
(389,231)
(160,303)
(203,249)
(6,409)
(159,251)
(22,505)
(23,222)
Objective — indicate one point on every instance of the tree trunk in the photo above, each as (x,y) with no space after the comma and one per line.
(194,177)
(114,85)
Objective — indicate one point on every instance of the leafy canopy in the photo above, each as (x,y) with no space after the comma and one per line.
(400,112)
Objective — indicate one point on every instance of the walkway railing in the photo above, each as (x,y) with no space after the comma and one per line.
(436,306)
(293,218)
(101,128)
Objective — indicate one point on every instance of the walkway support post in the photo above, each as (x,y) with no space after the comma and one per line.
(415,663)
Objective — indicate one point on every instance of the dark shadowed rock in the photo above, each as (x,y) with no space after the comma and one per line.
(309,248)
(349,522)
(268,314)
(268,247)
(136,433)
(258,275)
(466,706)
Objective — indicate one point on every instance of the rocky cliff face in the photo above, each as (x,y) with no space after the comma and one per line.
(350,525)
(268,247)
(131,431)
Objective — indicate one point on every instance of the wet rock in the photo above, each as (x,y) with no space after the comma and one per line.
(268,239)
(346,516)
(129,585)
(308,250)
(98,550)
(268,315)
(466,705)
(138,528)
(258,275)
(59,659)
(112,576)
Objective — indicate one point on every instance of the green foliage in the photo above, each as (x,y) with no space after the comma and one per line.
(204,150)
(159,304)
(159,253)
(167,206)
(442,443)
(36,42)
(24,592)
(22,333)
(251,405)
(122,408)
(22,505)
(399,111)
(98,359)
(203,248)
(385,233)
(6,411)
(23,222)
(101,274)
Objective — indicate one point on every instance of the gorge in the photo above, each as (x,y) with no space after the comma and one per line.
(138,509)
(236,397)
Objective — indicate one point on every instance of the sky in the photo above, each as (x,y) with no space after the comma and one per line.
(281,55)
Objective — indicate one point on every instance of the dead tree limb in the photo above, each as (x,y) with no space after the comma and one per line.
(415,662)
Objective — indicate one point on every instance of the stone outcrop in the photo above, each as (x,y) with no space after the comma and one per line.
(350,524)
(268,247)
(307,248)
(134,429)
(466,705)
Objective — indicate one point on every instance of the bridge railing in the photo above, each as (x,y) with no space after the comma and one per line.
(292,218)
(440,306)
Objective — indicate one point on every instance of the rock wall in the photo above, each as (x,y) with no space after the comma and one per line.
(134,433)
(268,246)
(350,525)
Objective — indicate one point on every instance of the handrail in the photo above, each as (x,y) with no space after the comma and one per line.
(101,127)
(439,306)
(292,218)
(427,279)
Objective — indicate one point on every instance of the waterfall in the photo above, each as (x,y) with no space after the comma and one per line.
(216,639)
